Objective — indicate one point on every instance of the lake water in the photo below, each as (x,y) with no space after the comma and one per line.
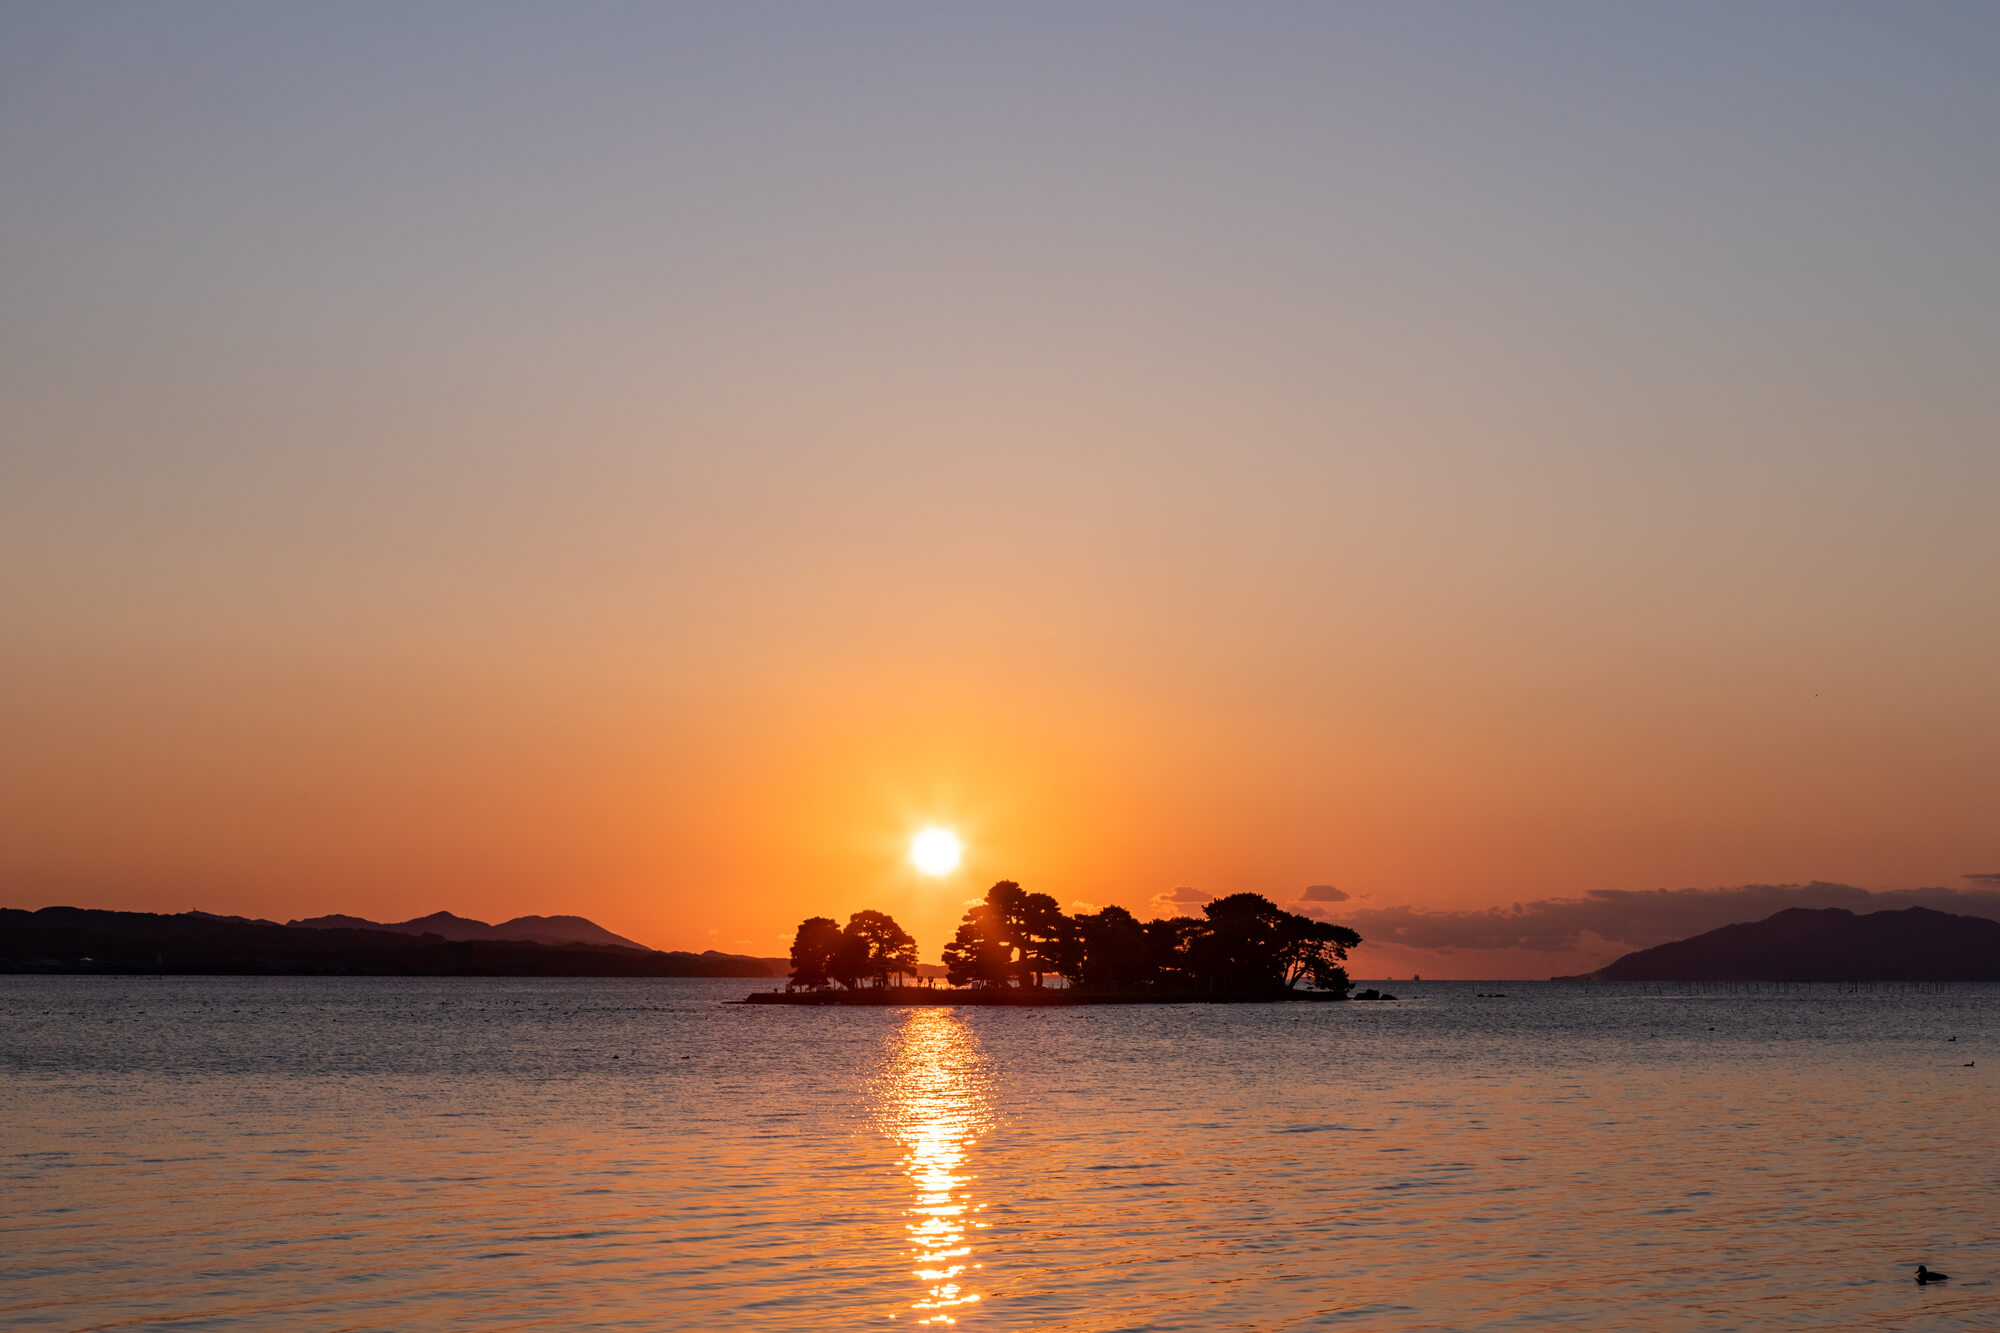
(250,1153)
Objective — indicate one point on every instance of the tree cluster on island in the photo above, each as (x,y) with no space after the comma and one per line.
(1242,944)
(871,948)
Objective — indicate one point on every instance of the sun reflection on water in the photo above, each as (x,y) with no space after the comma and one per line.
(934,1105)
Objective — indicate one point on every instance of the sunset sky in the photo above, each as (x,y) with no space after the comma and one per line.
(649,462)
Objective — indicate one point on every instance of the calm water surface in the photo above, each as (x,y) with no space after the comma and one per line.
(220,1153)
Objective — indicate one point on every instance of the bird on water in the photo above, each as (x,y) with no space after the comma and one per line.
(1925,1275)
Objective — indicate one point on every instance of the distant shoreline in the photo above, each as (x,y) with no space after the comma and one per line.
(1824,944)
(1032,997)
(84,941)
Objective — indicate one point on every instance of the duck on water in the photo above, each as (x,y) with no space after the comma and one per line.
(1925,1275)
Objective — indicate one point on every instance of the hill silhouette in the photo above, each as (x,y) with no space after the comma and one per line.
(1824,944)
(75,939)
(446,925)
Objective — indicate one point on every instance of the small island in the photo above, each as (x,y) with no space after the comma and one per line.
(1020,948)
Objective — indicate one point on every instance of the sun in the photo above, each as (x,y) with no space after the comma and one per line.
(935,851)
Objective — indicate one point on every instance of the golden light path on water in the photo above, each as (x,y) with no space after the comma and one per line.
(934,1104)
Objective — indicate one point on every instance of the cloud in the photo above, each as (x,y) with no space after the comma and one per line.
(1324,893)
(1082,908)
(1179,901)
(1640,919)
(1985,877)
(1320,912)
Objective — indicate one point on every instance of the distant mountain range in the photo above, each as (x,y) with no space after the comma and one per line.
(539,929)
(1824,944)
(75,939)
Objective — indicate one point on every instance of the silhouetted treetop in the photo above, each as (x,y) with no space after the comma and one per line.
(984,950)
(1253,944)
(871,948)
(815,947)
(1243,944)
(879,948)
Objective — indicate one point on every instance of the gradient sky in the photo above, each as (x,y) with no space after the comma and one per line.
(647,462)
